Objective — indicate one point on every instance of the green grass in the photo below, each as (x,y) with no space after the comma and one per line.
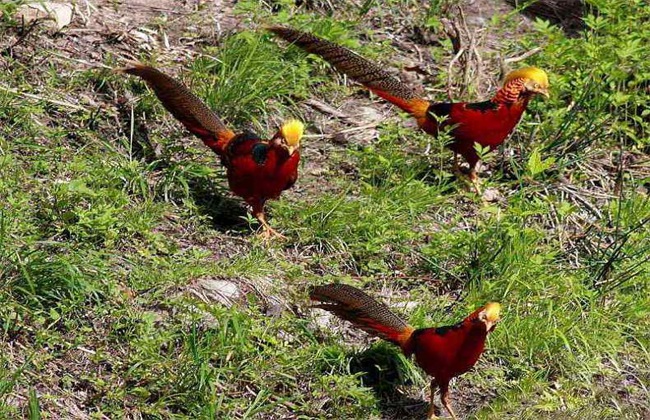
(111,217)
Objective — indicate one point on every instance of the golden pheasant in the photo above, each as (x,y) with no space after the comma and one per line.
(257,170)
(442,352)
(486,123)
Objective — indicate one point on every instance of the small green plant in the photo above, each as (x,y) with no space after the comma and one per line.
(8,9)
(608,62)
(537,165)
(34,408)
(248,76)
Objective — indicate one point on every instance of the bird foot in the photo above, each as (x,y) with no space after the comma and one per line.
(431,414)
(476,183)
(269,233)
(470,178)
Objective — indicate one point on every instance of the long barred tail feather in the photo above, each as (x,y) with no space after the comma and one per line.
(184,106)
(358,68)
(353,305)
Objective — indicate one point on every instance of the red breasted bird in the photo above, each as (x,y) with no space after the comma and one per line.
(442,352)
(487,123)
(257,169)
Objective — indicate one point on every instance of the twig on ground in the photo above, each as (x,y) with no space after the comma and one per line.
(81,61)
(44,99)
(346,131)
(468,56)
(574,192)
(23,36)
(523,56)
(503,62)
(327,109)
(450,79)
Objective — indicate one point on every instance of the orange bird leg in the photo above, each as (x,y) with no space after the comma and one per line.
(446,399)
(267,231)
(474,179)
(431,414)
(472,176)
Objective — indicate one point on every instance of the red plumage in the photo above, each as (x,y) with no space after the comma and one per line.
(257,170)
(486,123)
(446,352)
(259,180)
(443,352)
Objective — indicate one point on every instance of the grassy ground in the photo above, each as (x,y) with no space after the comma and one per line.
(132,285)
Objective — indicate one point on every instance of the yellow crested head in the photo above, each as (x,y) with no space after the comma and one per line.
(492,311)
(535,79)
(534,74)
(292,132)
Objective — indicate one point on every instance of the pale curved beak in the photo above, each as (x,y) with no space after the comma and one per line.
(544,92)
(489,326)
(291,149)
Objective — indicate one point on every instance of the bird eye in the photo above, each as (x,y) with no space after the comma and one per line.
(536,86)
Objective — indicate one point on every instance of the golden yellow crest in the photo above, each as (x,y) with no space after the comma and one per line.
(533,74)
(492,311)
(292,131)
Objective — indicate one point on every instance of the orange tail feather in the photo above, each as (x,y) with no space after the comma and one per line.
(358,68)
(351,304)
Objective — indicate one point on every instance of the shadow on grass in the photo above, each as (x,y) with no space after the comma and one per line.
(448,182)
(384,369)
(226,213)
